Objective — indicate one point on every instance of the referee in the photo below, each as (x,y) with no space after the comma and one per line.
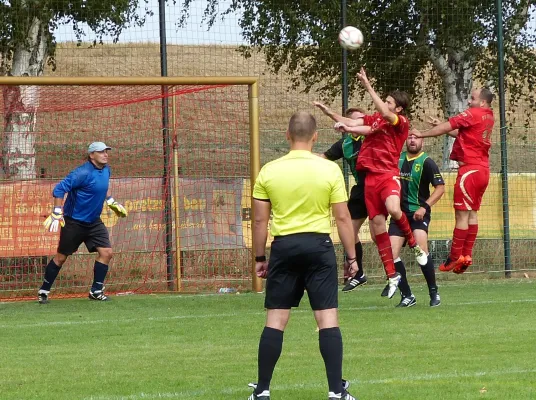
(299,189)
(86,188)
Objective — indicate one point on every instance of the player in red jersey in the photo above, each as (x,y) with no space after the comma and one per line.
(472,129)
(385,133)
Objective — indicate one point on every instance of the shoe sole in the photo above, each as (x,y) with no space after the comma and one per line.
(455,264)
(460,269)
(94,299)
(408,306)
(435,305)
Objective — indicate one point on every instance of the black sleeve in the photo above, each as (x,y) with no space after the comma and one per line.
(431,173)
(335,151)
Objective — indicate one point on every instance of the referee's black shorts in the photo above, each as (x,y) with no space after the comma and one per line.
(298,262)
(356,202)
(74,233)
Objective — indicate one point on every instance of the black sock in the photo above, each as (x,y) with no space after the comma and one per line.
(403,286)
(429,274)
(99,274)
(359,259)
(51,272)
(270,347)
(330,340)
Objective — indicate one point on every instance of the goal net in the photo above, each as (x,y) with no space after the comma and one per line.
(180,163)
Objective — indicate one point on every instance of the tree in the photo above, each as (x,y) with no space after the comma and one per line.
(27,44)
(449,43)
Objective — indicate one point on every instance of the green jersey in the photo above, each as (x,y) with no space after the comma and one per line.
(416,175)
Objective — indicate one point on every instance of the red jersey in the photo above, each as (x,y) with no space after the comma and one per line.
(381,149)
(474,136)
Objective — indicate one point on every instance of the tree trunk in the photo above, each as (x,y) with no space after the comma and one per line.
(456,70)
(21,104)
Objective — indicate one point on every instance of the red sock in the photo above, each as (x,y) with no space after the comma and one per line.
(404,226)
(458,239)
(470,240)
(386,253)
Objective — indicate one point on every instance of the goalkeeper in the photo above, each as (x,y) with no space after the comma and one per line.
(87,189)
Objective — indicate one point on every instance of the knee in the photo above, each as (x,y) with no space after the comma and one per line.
(106,254)
(395,213)
(59,259)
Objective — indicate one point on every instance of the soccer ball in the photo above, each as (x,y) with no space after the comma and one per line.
(350,38)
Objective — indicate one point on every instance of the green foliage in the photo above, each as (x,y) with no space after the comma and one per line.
(104,18)
(402,40)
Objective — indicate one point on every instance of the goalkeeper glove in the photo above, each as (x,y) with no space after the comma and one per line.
(54,220)
(117,208)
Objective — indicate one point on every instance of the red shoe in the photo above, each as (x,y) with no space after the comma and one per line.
(460,269)
(449,265)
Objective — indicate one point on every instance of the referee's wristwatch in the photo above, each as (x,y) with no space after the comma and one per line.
(260,258)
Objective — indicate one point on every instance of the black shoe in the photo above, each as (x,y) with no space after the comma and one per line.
(42,296)
(435,300)
(344,396)
(385,291)
(354,282)
(408,301)
(98,295)
(265,395)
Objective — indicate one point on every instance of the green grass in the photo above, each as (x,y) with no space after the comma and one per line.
(204,347)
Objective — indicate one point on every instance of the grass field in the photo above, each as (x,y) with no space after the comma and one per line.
(479,344)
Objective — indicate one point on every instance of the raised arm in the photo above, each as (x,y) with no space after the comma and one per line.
(438,130)
(380,105)
(338,117)
(435,122)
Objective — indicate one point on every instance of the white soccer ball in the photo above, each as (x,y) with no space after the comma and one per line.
(350,38)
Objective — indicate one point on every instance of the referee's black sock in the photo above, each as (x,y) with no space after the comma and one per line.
(429,274)
(359,259)
(51,272)
(99,274)
(403,286)
(330,340)
(270,347)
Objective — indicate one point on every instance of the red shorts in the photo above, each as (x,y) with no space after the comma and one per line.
(377,188)
(470,186)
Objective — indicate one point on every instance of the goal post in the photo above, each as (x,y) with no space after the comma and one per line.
(212,161)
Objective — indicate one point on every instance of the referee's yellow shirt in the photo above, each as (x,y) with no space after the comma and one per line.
(301,187)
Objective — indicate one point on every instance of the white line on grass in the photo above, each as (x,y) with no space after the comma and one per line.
(234,314)
(232,391)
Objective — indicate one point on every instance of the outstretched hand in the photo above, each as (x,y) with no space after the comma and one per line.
(340,127)
(321,106)
(433,121)
(362,76)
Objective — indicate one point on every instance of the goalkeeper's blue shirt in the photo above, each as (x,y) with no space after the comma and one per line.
(86,188)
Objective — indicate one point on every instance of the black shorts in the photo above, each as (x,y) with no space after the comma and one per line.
(74,233)
(356,202)
(394,230)
(298,262)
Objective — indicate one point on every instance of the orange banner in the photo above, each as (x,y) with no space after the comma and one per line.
(23,208)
